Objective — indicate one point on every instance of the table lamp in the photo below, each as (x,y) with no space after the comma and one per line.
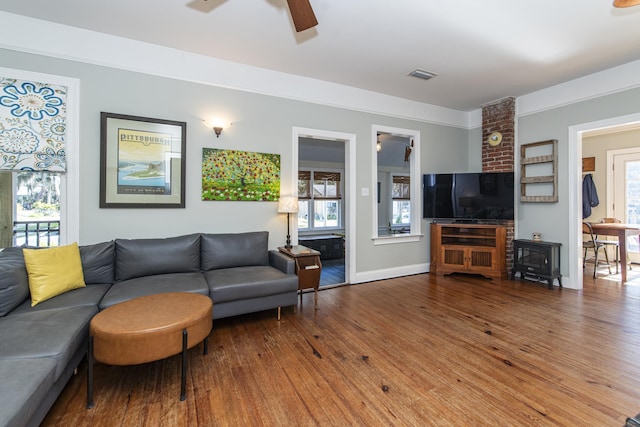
(288,205)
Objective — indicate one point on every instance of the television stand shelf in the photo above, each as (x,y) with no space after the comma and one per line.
(469,248)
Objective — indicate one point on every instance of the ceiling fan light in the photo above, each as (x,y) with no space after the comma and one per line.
(625,3)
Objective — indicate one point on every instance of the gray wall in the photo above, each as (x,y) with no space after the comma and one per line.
(553,219)
(264,123)
(260,123)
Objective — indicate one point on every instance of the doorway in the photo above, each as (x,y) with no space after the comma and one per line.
(323,176)
(575,135)
(624,175)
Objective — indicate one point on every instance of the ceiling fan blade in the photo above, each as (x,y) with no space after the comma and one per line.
(302,14)
(626,3)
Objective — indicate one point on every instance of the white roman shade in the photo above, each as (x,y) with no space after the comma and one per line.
(33,125)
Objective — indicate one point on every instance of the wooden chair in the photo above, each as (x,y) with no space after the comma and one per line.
(614,242)
(590,242)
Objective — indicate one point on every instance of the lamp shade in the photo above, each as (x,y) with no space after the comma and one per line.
(288,204)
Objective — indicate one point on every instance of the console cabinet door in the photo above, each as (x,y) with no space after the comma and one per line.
(454,256)
(468,259)
(482,259)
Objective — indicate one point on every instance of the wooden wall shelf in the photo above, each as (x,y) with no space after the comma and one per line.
(548,182)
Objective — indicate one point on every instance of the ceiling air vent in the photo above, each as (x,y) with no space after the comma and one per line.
(422,74)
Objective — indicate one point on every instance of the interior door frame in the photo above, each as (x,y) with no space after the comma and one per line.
(575,186)
(349,140)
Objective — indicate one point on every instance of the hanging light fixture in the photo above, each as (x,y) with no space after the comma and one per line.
(625,3)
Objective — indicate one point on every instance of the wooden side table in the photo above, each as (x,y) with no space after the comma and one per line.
(308,268)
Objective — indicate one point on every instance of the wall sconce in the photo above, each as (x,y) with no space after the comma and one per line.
(288,205)
(217,125)
(378,144)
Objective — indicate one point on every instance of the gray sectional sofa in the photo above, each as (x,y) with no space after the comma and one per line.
(41,346)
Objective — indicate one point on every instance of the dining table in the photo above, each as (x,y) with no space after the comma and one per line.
(621,231)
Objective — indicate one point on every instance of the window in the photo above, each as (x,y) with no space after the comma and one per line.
(624,173)
(396,179)
(401,197)
(37,208)
(319,199)
(61,189)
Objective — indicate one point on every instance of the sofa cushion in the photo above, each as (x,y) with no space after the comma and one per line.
(230,284)
(147,257)
(57,334)
(53,271)
(14,282)
(234,250)
(25,383)
(98,262)
(148,285)
(87,296)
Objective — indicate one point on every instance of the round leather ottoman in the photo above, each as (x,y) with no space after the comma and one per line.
(147,329)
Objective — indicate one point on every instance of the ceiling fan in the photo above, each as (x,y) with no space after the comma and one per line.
(625,3)
(302,14)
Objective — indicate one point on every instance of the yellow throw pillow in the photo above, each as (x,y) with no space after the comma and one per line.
(53,271)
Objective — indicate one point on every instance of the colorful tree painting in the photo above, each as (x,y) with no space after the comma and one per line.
(240,175)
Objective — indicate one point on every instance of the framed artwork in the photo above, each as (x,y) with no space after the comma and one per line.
(142,162)
(233,175)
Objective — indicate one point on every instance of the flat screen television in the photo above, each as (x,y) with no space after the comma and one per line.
(468,196)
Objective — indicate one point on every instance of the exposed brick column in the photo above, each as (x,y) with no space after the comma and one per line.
(499,116)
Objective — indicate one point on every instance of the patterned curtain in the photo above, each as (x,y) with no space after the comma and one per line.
(33,123)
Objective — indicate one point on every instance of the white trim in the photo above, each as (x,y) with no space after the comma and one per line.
(606,82)
(575,188)
(397,238)
(70,184)
(388,273)
(349,186)
(416,186)
(25,34)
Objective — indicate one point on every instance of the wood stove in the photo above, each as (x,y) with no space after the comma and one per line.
(538,260)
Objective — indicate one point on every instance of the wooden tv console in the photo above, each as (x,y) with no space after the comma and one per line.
(469,248)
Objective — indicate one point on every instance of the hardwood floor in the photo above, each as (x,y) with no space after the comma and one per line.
(332,272)
(412,351)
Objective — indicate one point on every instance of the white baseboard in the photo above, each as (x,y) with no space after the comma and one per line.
(389,273)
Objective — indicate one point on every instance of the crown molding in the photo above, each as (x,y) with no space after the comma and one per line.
(26,34)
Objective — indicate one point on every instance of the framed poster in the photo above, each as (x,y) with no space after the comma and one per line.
(142,162)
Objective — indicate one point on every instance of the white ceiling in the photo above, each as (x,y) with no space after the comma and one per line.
(481,50)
